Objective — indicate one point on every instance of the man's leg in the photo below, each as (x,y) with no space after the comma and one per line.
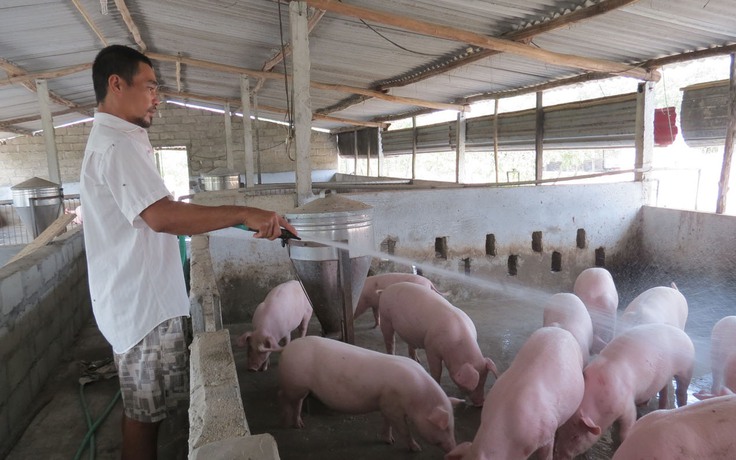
(153,380)
(139,439)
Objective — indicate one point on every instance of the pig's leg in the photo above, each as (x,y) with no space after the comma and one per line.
(413,354)
(717,379)
(386,434)
(395,418)
(302,329)
(291,406)
(376,316)
(545,452)
(683,381)
(435,365)
(388,337)
(664,395)
(625,422)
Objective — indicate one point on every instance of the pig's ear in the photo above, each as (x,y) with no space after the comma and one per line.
(242,341)
(269,344)
(467,376)
(439,417)
(491,366)
(458,452)
(591,426)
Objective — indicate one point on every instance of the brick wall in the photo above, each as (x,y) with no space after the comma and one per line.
(201,132)
(44,303)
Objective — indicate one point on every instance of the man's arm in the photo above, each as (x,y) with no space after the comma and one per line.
(177,218)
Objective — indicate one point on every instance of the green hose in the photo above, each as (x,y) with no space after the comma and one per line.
(89,438)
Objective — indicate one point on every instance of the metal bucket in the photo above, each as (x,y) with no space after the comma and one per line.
(333,277)
(38,203)
(220,179)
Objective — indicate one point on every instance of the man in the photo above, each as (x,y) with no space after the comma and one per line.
(130,222)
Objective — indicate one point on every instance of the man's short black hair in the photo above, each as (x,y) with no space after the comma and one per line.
(115,60)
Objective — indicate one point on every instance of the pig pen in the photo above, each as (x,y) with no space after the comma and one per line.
(502,292)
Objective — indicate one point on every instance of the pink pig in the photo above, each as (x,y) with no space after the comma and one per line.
(568,312)
(659,304)
(425,319)
(629,371)
(722,358)
(369,297)
(355,380)
(523,409)
(285,308)
(704,430)
(595,287)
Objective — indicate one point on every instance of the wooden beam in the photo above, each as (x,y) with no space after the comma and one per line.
(463,58)
(591,76)
(497,44)
(90,22)
(314,84)
(20,131)
(691,55)
(128,19)
(389,97)
(16,121)
(314,18)
(14,70)
(46,74)
(728,148)
(56,228)
(222,100)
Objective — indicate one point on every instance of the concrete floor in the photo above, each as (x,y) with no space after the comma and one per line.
(58,426)
(503,324)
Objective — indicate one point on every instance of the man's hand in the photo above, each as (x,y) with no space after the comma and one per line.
(267,224)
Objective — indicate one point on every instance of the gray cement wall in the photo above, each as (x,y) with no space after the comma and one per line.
(44,301)
(694,243)
(201,132)
(246,268)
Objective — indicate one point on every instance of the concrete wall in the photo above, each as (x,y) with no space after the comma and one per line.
(201,132)
(689,242)
(246,269)
(44,301)
(217,422)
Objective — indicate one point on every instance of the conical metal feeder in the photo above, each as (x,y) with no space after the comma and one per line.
(333,276)
(38,202)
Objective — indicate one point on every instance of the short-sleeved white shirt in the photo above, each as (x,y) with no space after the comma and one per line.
(135,275)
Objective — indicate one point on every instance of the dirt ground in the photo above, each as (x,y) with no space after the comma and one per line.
(503,324)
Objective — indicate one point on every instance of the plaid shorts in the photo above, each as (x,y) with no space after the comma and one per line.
(154,374)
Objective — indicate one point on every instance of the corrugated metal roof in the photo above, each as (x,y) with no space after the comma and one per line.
(44,35)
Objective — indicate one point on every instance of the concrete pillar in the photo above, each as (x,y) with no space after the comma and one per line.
(644,131)
(539,138)
(229,138)
(379,152)
(302,100)
(49,137)
(461,175)
(247,132)
(728,148)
